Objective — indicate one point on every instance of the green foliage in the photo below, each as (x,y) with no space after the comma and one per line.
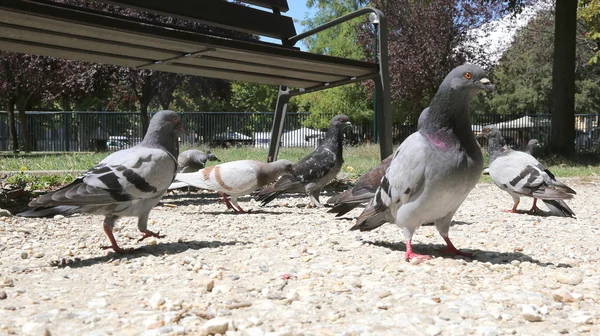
(342,41)
(589,15)
(42,182)
(523,77)
(253,97)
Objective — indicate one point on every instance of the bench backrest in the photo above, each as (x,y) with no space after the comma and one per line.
(223,14)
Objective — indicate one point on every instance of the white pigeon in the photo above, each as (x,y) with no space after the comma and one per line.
(235,178)
(434,169)
(520,174)
(129,182)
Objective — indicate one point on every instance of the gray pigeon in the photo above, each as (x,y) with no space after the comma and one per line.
(129,182)
(520,174)
(533,147)
(193,160)
(315,170)
(366,186)
(236,178)
(434,169)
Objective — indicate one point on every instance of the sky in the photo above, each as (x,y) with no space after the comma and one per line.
(298,12)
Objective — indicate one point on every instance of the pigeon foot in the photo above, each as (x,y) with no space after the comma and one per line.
(148,234)
(420,257)
(410,255)
(452,250)
(534,208)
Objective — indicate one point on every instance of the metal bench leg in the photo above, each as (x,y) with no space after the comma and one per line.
(280,110)
(384,117)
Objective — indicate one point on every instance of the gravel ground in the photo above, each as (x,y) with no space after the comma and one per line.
(290,270)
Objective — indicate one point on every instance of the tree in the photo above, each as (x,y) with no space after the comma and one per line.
(342,41)
(168,82)
(25,80)
(589,15)
(144,85)
(74,82)
(523,76)
(563,78)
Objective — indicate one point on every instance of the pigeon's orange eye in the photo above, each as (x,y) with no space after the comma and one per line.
(175,119)
(468,75)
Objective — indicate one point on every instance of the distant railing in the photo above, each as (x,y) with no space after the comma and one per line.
(97,131)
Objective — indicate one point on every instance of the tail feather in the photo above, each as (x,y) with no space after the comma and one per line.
(49,211)
(373,222)
(178,185)
(343,208)
(266,196)
(551,193)
(559,208)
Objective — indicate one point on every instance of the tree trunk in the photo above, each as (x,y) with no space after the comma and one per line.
(144,115)
(12,127)
(24,128)
(563,78)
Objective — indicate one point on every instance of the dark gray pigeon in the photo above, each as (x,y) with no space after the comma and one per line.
(193,160)
(434,169)
(520,174)
(129,182)
(366,186)
(315,170)
(533,147)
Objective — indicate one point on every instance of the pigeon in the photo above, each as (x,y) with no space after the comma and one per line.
(236,178)
(364,189)
(193,160)
(129,182)
(362,192)
(435,168)
(520,174)
(315,170)
(533,147)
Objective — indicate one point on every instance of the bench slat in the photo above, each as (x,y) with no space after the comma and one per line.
(279,4)
(218,13)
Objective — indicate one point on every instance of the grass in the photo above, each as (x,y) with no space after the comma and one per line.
(358,160)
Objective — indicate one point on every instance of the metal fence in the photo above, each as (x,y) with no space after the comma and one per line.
(94,131)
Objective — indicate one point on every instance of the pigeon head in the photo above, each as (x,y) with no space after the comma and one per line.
(284,166)
(340,122)
(534,143)
(211,156)
(164,130)
(468,77)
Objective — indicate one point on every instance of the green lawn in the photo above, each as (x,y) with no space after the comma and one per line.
(358,160)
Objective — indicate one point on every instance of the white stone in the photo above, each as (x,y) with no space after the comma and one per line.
(217,325)
(97,303)
(433,330)
(568,278)
(254,331)
(5,213)
(531,313)
(156,300)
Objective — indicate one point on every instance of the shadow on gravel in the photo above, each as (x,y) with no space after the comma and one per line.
(252,212)
(479,255)
(146,250)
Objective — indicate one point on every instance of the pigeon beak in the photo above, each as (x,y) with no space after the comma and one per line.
(347,124)
(486,84)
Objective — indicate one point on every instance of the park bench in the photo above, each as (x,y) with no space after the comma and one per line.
(64,31)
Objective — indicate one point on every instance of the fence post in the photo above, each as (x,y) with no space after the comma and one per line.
(67,127)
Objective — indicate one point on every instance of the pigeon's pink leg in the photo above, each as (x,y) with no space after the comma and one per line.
(226,200)
(108,226)
(148,234)
(514,208)
(450,249)
(411,255)
(534,208)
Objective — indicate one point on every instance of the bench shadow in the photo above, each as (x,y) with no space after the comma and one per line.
(146,250)
(492,257)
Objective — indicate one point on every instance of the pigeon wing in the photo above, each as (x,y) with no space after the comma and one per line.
(135,173)
(316,165)
(403,181)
